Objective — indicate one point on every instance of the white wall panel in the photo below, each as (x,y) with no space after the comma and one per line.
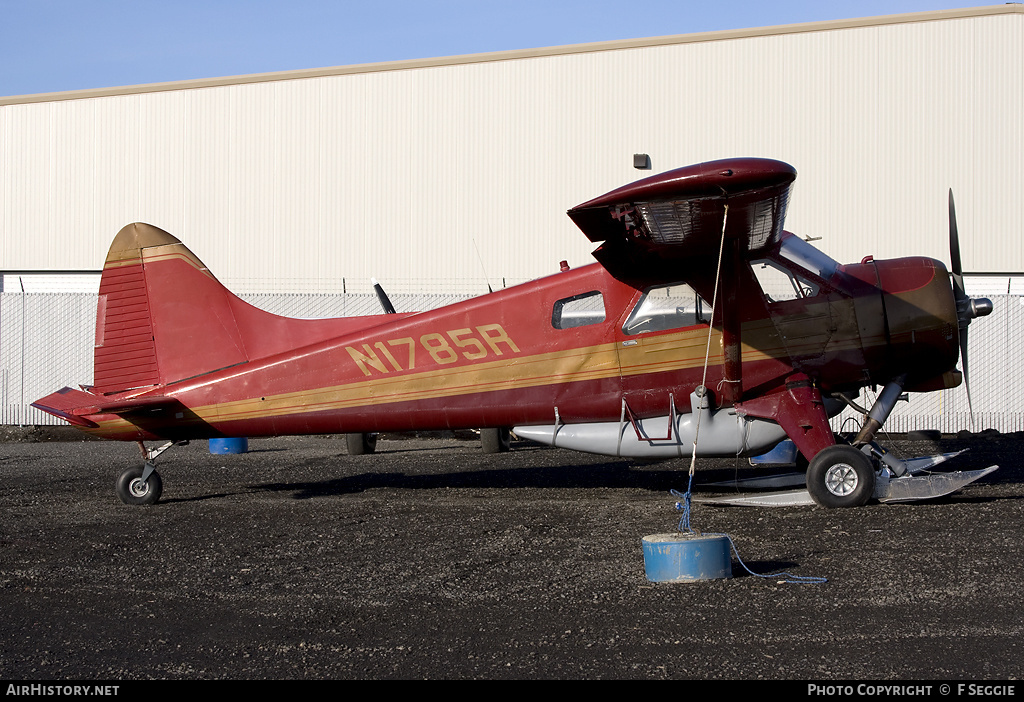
(435,177)
(115,157)
(206,205)
(28,194)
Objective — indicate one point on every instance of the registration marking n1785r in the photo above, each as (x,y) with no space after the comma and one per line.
(475,344)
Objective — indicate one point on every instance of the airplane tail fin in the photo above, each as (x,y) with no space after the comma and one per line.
(163,317)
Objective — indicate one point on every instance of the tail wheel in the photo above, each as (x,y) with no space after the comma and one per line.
(133,490)
(840,476)
(359,444)
(495,440)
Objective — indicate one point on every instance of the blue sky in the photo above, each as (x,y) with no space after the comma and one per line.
(55,45)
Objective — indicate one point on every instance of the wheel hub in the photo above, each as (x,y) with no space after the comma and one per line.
(841,479)
(138,488)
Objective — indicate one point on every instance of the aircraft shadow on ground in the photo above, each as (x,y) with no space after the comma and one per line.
(607,475)
(651,476)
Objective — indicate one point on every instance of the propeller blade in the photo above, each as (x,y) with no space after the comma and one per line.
(966,308)
(954,253)
(967,377)
(385,301)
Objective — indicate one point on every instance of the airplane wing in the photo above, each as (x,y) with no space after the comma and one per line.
(680,214)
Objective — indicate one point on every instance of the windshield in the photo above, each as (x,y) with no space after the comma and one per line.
(779,284)
(798,251)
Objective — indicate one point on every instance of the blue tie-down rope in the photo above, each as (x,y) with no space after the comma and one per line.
(684,507)
(684,526)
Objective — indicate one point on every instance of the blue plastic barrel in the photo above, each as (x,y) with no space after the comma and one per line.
(229,445)
(686,558)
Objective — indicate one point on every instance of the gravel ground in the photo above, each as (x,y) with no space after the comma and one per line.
(430,559)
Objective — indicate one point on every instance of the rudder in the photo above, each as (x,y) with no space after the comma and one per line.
(161,315)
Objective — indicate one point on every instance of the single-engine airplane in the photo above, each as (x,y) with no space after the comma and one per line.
(703,327)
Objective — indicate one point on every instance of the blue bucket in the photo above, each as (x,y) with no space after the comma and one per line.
(686,558)
(229,445)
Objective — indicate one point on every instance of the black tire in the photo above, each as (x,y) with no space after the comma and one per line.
(841,476)
(495,440)
(132,491)
(359,444)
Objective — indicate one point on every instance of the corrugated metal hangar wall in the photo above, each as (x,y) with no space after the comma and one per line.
(432,175)
(443,175)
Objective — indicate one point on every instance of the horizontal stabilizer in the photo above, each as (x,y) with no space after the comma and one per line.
(69,404)
(75,405)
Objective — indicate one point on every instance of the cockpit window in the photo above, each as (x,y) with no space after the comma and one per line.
(665,307)
(779,284)
(578,310)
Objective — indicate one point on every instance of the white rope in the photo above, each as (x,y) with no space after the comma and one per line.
(707,350)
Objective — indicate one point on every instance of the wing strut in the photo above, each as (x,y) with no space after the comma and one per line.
(702,390)
(732,392)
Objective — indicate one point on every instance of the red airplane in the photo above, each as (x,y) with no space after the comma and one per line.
(703,328)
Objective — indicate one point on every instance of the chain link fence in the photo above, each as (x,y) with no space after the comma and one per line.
(46,342)
(46,339)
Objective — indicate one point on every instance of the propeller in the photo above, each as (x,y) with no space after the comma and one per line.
(382,296)
(954,252)
(967,309)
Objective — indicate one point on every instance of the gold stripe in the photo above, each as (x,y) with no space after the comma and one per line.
(515,373)
(664,353)
(156,254)
(589,363)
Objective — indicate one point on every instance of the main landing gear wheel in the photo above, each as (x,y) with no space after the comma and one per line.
(359,444)
(133,490)
(840,476)
(495,440)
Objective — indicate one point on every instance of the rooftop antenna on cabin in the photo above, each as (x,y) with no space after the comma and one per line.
(484,269)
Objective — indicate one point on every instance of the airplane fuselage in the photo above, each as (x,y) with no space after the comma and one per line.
(702,317)
(507,359)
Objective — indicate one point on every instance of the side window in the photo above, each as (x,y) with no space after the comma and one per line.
(779,284)
(665,307)
(578,310)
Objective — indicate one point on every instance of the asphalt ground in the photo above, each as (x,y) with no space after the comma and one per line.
(432,560)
